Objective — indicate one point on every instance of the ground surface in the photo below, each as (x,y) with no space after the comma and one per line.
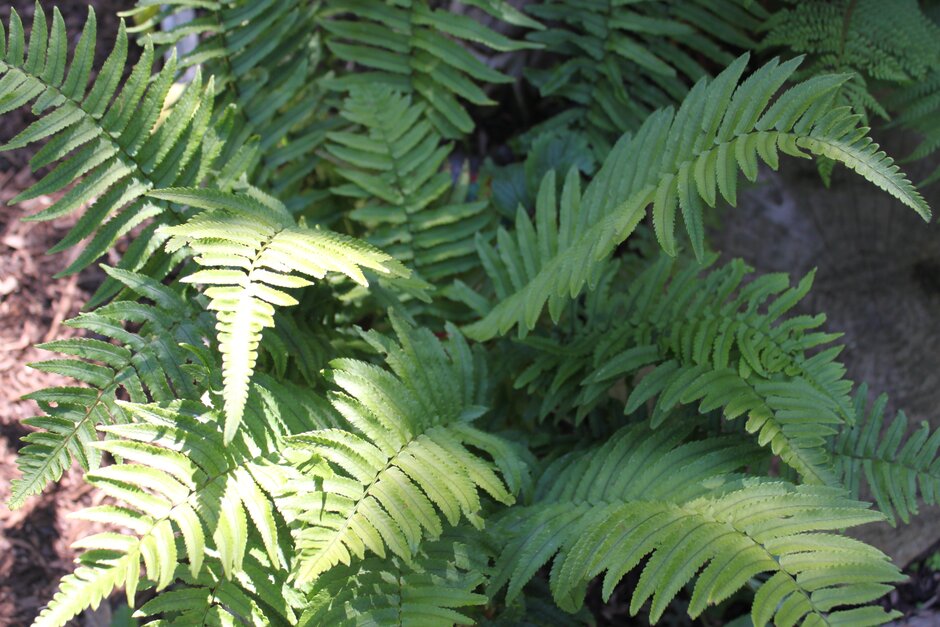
(879,277)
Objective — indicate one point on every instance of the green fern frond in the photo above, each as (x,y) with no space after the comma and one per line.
(646,494)
(899,469)
(114,144)
(676,161)
(396,163)
(714,337)
(431,589)
(621,61)
(918,109)
(149,364)
(177,478)
(416,49)
(251,250)
(406,458)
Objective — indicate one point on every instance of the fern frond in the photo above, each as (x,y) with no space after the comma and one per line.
(251,251)
(677,160)
(899,469)
(176,478)
(918,109)
(114,144)
(714,337)
(646,494)
(416,49)
(403,460)
(149,364)
(621,61)
(431,589)
(396,163)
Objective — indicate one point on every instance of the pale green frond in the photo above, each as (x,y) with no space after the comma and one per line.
(645,494)
(689,157)
(251,251)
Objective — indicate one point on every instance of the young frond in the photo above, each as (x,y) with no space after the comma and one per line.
(416,49)
(176,478)
(682,161)
(407,456)
(898,468)
(396,163)
(620,62)
(431,589)
(252,250)
(114,144)
(149,364)
(644,495)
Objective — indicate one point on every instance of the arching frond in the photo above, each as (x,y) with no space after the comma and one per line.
(676,161)
(619,62)
(252,250)
(644,494)
(114,144)
(416,49)
(899,469)
(147,364)
(407,457)
(397,163)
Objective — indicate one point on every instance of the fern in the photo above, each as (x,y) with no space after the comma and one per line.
(620,62)
(645,494)
(917,106)
(413,48)
(183,481)
(403,460)
(114,143)
(251,250)
(397,161)
(720,128)
(149,364)
(899,469)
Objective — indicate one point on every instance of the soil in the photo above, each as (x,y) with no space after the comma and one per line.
(873,264)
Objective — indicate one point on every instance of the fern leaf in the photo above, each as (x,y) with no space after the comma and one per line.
(645,494)
(721,127)
(112,143)
(899,469)
(251,251)
(388,487)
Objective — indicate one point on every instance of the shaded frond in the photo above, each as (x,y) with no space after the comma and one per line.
(431,589)
(397,164)
(408,455)
(620,61)
(416,49)
(681,161)
(114,144)
(899,468)
(148,364)
(646,495)
(917,108)
(251,250)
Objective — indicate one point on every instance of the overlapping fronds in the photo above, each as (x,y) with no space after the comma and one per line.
(431,590)
(884,40)
(917,108)
(706,337)
(397,164)
(676,161)
(259,54)
(408,457)
(148,364)
(620,61)
(114,144)
(252,250)
(417,49)
(646,494)
(900,469)
(176,477)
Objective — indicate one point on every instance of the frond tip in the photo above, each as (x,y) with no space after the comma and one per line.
(251,251)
